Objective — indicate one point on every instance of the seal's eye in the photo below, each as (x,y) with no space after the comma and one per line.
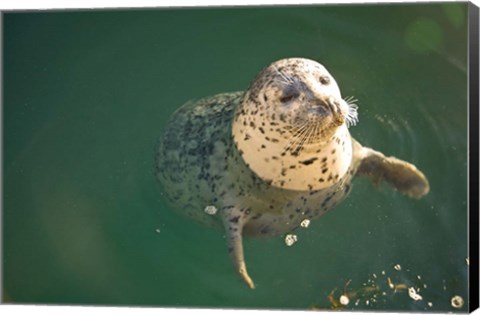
(289,93)
(324,80)
(288,97)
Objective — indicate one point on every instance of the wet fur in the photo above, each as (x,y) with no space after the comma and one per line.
(203,159)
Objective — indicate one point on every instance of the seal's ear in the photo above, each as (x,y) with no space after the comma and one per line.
(402,175)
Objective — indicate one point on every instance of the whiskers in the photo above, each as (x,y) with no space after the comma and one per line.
(288,80)
(312,131)
(351,117)
(304,133)
(283,78)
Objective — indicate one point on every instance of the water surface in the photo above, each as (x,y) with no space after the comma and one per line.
(86,95)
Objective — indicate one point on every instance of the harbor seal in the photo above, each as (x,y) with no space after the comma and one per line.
(259,162)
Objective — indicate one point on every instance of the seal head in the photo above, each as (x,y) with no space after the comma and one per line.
(291,126)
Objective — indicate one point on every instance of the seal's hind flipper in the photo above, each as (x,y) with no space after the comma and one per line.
(233,221)
(402,175)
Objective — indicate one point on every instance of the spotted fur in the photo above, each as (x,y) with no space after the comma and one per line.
(269,157)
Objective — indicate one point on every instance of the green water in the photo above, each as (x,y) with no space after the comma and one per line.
(86,95)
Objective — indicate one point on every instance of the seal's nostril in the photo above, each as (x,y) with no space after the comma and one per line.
(318,110)
(335,104)
(332,105)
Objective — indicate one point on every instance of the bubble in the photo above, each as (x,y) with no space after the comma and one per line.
(414,295)
(305,223)
(423,35)
(211,210)
(455,14)
(457,301)
(344,300)
(290,239)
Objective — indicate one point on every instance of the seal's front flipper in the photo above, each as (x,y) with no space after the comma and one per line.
(233,221)
(404,176)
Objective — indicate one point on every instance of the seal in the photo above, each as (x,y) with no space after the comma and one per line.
(260,162)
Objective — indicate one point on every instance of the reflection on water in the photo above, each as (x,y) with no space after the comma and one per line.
(87,94)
